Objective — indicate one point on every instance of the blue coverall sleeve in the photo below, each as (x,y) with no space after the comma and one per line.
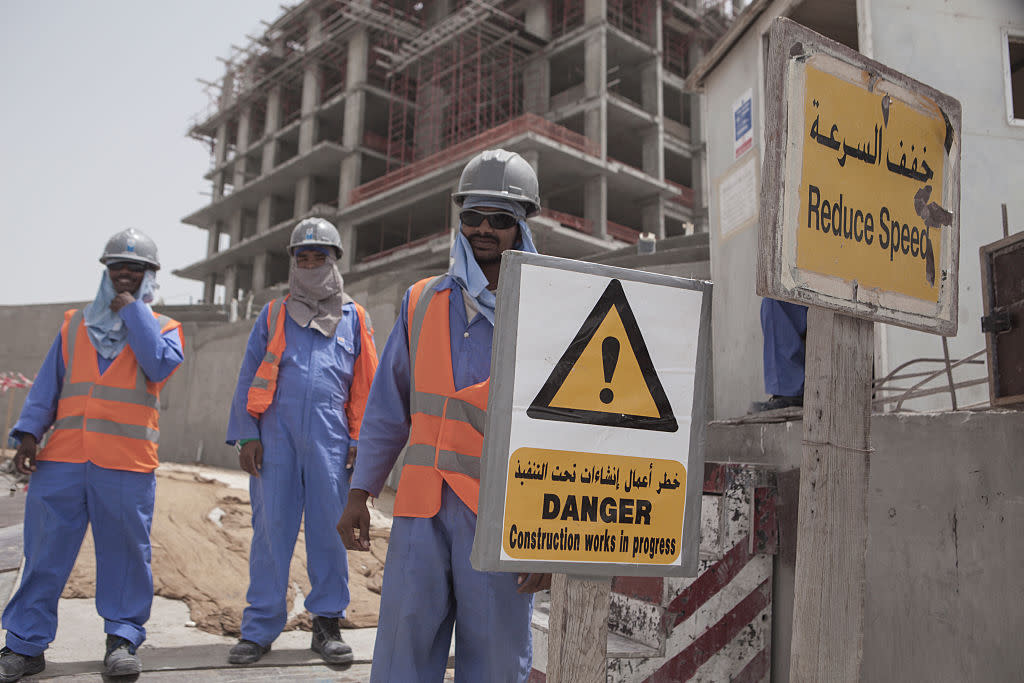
(40,408)
(157,354)
(242,425)
(385,428)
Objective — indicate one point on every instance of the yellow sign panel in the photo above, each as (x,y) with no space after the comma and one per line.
(871,183)
(606,376)
(593,507)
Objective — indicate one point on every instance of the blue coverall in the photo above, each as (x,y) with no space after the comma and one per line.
(784,326)
(429,584)
(63,498)
(305,437)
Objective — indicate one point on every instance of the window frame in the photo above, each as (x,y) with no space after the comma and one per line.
(1014,35)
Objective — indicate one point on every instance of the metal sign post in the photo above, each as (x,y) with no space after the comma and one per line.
(860,205)
(592,457)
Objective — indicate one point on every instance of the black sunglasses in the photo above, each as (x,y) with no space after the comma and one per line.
(498,220)
(131,266)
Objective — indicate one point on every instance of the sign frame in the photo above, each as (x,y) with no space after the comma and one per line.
(778,275)
(495,460)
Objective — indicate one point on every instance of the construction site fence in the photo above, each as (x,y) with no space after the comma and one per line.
(527,123)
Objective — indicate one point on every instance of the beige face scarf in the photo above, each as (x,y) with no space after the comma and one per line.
(317,295)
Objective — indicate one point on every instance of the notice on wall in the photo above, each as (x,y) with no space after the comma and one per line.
(738,197)
(861,195)
(743,123)
(592,459)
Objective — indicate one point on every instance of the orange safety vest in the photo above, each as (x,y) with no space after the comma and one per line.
(447,431)
(264,382)
(110,419)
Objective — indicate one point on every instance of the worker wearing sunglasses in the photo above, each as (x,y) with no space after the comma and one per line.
(445,331)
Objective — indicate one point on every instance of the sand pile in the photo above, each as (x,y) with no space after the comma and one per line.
(201,536)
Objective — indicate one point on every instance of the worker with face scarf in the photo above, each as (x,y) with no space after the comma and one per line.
(432,394)
(99,391)
(295,419)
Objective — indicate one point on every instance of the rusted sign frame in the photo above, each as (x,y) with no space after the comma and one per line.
(778,276)
(1013,311)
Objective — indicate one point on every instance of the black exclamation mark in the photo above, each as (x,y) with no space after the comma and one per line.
(610,356)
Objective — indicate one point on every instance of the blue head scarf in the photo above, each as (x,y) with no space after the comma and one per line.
(106,329)
(464,268)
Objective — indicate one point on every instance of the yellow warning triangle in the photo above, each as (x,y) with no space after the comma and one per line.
(606,376)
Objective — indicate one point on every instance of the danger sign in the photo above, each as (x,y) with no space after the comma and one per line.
(595,382)
(597,406)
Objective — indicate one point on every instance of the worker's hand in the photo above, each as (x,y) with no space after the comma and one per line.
(531,583)
(356,515)
(350,462)
(25,457)
(250,458)
(121,300)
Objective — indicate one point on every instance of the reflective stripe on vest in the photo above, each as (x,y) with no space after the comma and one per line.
(112,426)
(447,425)
(264,382)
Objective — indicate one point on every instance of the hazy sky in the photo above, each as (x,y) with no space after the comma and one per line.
(97,98)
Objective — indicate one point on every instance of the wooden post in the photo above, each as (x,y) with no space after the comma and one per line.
(578,629)
(828,611)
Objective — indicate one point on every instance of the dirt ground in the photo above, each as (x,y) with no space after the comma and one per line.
(201,536)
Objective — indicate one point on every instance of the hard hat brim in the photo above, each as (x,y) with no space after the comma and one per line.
(129,256)
(531,205)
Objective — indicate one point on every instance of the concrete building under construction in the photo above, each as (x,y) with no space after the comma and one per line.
(365,112)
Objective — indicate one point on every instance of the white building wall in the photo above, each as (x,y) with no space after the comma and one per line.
(957,47)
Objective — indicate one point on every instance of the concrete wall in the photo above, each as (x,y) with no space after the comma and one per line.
(954,46)
(736,327)
(945,601)
(196,400)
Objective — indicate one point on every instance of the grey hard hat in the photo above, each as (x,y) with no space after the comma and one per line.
(315,232)
(500,173)
(131,245)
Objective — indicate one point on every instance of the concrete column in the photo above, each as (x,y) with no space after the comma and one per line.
(230,283)
(595,83)
(653,139)
(263,210)
(595,10)
(537,71)
(595,204)
(235,227)
(303,195)
(355,113)
(653,217)
(242,146)
(213,239)
(209,288)
(347,232)
(311,85)
(272,125)
(259,271)
(697,166)
(219,155)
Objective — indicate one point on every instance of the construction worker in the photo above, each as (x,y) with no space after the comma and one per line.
(295,420)
(784,326)
(99,390)
(432,392)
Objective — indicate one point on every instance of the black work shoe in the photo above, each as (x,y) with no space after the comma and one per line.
(246,652)
(13,665)
(121,659)
(777,403)
(327,641)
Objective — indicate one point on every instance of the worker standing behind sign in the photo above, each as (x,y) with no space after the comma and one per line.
(784,326)
(295,419)
(432,391)
(99,388)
